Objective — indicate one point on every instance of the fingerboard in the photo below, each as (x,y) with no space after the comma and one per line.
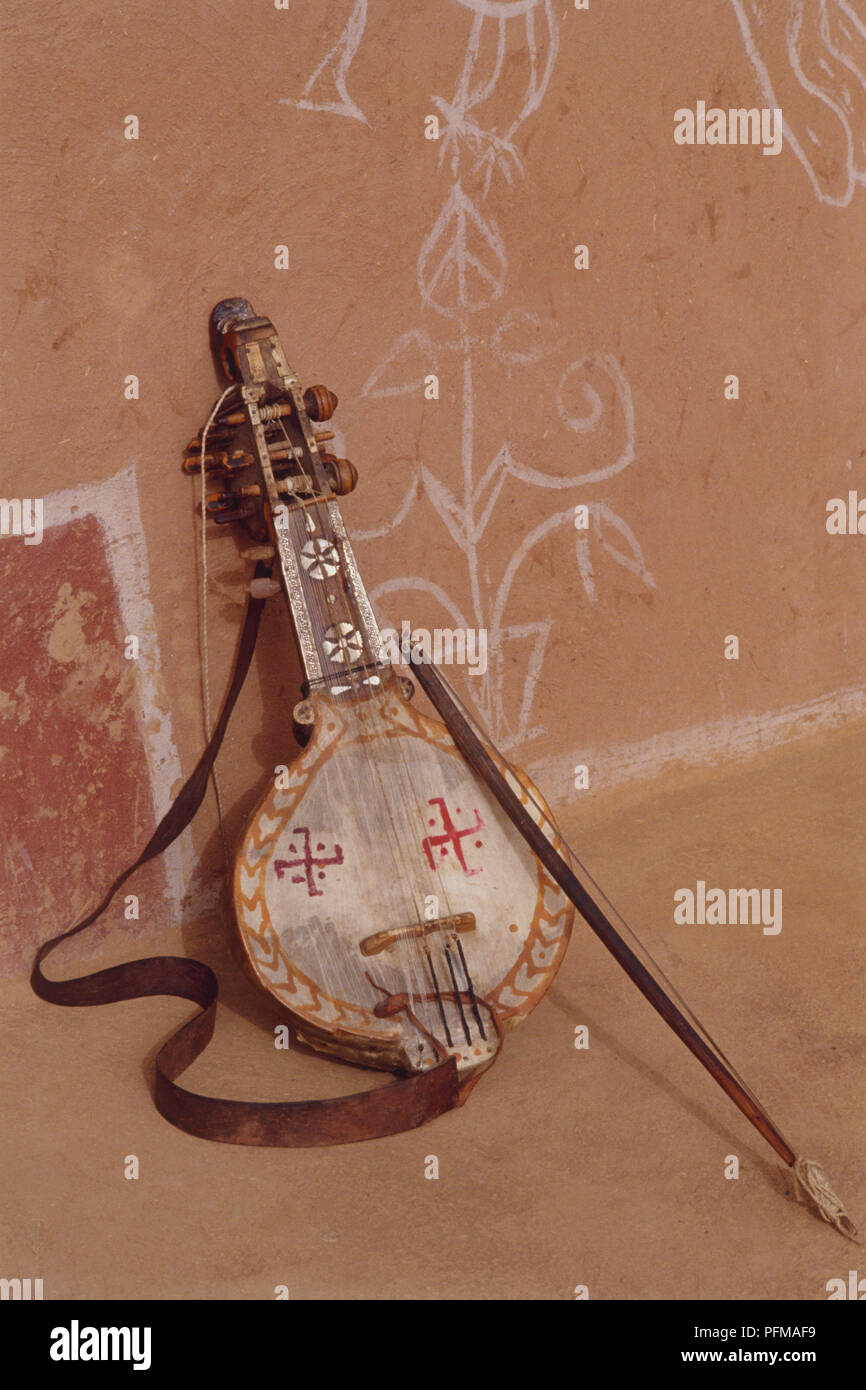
(338,637)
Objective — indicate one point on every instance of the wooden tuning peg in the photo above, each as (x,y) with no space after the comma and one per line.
(283,449)
(221,499)
(342,475)
(237,461)
(226,463)
(275,412)
(212,462)
(320,403)
(237,514)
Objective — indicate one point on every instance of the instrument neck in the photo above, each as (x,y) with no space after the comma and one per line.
(338,637)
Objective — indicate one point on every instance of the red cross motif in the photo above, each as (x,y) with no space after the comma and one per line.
(451,838)
(308,862)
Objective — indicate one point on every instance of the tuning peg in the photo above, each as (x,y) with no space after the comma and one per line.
(322,436)
(212,462)
(342,475)
(215,435)
(267,412)
(320,403)
(283,449)
(237,461)
(226,463)
(216,500)
(239,514)
(276,412)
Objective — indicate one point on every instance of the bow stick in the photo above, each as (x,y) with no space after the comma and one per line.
(810,1180)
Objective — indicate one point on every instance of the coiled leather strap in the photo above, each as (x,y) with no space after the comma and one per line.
(404,1104)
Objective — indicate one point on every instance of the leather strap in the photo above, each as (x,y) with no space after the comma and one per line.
(404,1104)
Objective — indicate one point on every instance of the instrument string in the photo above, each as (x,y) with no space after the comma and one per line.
(343,611)
(452,936)
(414,818)
(409,808)
(204,662)
(300,516)
(420,949)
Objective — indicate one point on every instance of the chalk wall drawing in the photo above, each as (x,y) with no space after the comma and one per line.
(489,150)
(809,57)
(326,88)
(462,278)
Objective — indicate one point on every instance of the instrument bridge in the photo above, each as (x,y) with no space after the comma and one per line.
(382,940)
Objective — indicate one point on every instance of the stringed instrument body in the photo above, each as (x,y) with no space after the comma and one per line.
(380,868)
(382,895)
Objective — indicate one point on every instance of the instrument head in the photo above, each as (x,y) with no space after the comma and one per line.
(275,452)
(226,317)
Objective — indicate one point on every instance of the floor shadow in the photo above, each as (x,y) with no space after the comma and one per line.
(734,1142)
